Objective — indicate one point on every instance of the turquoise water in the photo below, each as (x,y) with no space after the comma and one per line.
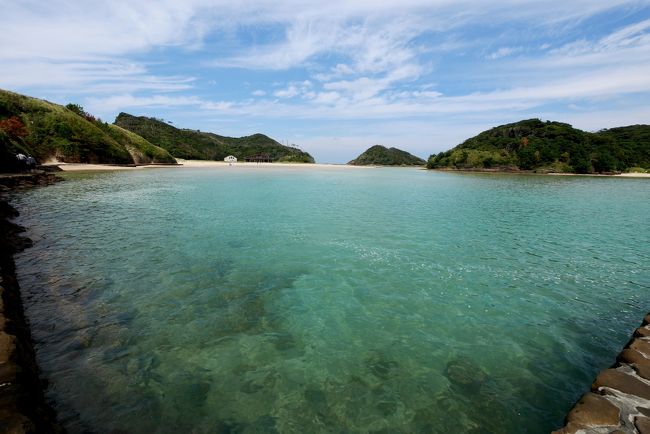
(264,300)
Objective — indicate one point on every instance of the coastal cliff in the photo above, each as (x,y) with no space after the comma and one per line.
(22,405)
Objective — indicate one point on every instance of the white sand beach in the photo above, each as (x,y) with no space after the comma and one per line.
(193,164)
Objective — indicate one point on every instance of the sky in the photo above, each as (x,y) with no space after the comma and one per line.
(336,77)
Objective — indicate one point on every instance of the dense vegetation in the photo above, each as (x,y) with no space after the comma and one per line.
(50,131)
(550,147)
(192,144)
(381,156)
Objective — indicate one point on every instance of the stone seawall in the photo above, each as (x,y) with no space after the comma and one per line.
(619,401)
(22,405)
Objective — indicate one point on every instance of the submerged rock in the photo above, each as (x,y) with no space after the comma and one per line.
(465,374)
(380,365)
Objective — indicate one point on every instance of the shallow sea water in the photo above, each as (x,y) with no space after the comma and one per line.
(263,300)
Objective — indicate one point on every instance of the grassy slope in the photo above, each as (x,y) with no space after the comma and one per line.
(191,144)
(53,131)
(382,156)
(140,149)
(56,132)
(549,146)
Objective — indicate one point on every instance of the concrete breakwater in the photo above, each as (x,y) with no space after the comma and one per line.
(619,400)
(22,405)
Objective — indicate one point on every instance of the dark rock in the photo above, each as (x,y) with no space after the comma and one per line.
(465,374)
(22,405)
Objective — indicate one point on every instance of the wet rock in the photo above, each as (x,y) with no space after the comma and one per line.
(643,371)
(642,424)
(641,346)
(629,355)
(626,383)
(594,410)
(643,332)
(465,374)
(644,411)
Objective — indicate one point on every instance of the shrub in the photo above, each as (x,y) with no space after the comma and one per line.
(13,127)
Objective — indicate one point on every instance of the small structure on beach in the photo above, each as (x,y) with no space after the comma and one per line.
(230,159)
(259,158)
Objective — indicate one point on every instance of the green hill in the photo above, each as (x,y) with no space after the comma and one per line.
(549,147)
(50,131)
(381,156)
(197,145)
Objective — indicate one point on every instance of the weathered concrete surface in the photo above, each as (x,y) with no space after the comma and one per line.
(22,405)
(619,401)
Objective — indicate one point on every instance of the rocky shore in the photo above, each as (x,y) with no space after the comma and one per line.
(619,401)
(22,405)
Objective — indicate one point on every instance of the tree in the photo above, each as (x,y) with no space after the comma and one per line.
(79,110)
(76,108)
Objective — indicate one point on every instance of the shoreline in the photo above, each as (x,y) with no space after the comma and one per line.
(619,400)
(211,164)
(194,164)
(523,172)
(23,408)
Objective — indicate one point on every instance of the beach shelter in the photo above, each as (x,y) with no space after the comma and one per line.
(230,159)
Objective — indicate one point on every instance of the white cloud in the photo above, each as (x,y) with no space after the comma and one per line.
(503,52)
(363,59)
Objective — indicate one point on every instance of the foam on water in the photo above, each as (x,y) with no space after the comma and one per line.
(390,300)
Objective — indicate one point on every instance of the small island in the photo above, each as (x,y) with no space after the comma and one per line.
(381,156)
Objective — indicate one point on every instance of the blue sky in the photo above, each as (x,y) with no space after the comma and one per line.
(335,78)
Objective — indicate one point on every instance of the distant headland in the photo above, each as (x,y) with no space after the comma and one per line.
(550,147)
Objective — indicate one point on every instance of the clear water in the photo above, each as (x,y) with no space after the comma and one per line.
(254,300)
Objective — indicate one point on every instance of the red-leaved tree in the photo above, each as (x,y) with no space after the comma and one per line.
(14,127)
